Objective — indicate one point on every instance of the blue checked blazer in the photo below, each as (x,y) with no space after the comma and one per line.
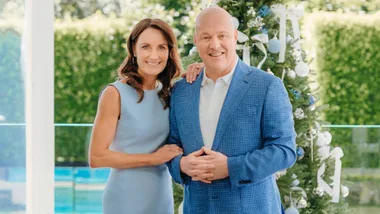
(255,131)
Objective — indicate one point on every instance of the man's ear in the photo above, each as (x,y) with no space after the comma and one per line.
(235,35)
(194,39)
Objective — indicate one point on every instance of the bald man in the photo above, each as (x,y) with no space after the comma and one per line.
(235,125)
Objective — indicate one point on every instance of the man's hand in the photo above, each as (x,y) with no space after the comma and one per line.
(220,170)
(197,166)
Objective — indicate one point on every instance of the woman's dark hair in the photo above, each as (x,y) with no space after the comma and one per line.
(128,69)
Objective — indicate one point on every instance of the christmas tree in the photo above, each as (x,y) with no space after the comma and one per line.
(269,38)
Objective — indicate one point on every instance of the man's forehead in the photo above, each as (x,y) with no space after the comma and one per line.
(213,27)
(219,24)
(212,31)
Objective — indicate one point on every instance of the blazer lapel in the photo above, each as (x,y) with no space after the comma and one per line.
(195,88)
(237,89)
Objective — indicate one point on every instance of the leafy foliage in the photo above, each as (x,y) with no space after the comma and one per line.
(254,19)
(86,59)
(348,64)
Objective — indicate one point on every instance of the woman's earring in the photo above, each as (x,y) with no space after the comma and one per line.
(134,60)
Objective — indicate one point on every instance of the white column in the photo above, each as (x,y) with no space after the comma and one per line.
(38,56)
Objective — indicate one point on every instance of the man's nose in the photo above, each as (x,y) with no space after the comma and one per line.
(215,43)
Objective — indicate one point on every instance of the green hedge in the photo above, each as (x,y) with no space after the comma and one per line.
(87,56)
(348,67)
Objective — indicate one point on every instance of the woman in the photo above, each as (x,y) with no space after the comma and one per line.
(132,123)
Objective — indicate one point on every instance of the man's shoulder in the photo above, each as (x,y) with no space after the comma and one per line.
(179,83)
(259,75)
(180,87)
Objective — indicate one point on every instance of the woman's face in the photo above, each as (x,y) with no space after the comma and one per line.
(152,52)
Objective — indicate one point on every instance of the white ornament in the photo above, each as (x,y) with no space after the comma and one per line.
(269,71)
(324,152)
(319,191)
(274,45)
(302,203)
(207,3)
(321,141)
(334,192)
(295,182)
(193,50)
(279,174)
(291,74)
(180,208)
(291,210)
(302,69)
(294,176)
(289,38)
(313,131)
(2,117)
(241,36)
(328,137)
(312,107)
(344,191)
(296,55)
(299,114)
(259,41)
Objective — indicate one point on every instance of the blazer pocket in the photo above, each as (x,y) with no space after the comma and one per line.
(256,195)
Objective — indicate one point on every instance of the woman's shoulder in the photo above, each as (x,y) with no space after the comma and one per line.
(121,84)
(109,92)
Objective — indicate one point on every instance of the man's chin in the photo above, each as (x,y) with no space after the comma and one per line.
(216,66)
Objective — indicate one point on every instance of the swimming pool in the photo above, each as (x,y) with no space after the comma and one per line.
(77,190)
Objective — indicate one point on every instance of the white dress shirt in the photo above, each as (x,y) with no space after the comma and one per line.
(212,96)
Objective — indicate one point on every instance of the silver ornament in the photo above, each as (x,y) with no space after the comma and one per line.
(302,69)
(321,140)
(274,45)
(295,183)
(291,210)
(344,191)
(291,74)
(302,203)
(319,191)
(313,131)
(193,50)
(328,137)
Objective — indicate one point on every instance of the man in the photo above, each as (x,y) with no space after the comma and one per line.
(235,126)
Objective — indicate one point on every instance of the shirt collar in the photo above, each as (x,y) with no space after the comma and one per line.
(226,78)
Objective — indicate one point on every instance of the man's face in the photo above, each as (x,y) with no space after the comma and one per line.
(215,39)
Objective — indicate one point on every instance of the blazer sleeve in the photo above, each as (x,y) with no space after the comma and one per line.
(174,138)
(278,135)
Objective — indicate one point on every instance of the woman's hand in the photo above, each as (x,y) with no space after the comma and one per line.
(166,153)
(192,72)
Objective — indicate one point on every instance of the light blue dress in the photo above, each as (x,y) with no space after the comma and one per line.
(142,128)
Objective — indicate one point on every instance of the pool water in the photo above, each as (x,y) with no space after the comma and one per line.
(79,201)
(78,190)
